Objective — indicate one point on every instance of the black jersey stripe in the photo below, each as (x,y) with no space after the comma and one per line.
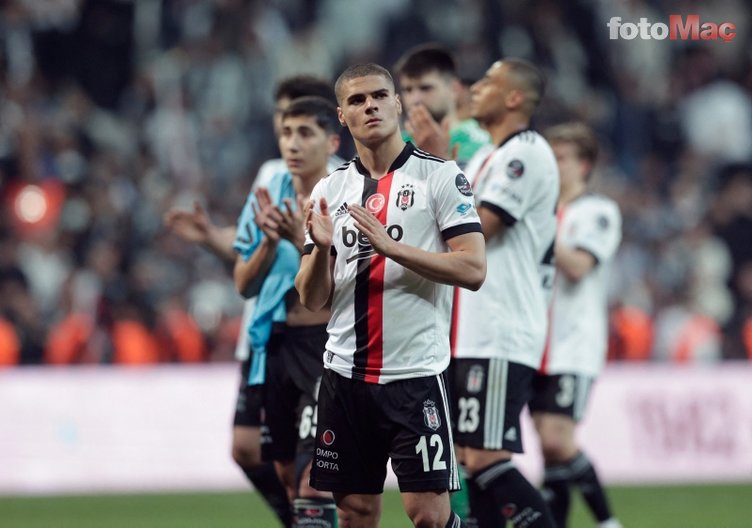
(502,213)
(360,358)
(427,156)
(308,249)
(342,167)
(520,133)
(451,232)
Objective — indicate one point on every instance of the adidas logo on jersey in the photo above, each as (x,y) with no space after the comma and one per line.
(341,210)
(511,434)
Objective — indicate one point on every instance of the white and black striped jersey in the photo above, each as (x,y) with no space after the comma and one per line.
(506,318)
(389,323)
(579,312)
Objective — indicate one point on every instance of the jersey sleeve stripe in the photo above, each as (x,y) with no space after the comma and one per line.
(426,156)
(451,232)
(308,249)
(502,213)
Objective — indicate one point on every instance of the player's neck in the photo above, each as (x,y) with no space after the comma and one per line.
(378,158)
(570,193)
(507,127)
(304,184)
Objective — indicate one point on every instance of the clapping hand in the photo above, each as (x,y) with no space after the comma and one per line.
(191,226)
(290,225)
(370,226)
(319,225)
(266,215)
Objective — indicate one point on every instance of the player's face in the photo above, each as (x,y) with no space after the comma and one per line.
(432,90)
(369,108)
(305,146)
(572,168)
(489,94)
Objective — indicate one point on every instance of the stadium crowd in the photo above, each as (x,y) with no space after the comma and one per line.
(111,112)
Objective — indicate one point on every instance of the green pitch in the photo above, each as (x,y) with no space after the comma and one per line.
(727,506)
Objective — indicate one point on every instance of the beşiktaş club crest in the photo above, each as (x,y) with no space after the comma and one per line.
(475,379)
(405,197)
(431,415)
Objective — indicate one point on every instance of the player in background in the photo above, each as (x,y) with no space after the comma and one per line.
(388,234)
(499,331)
(430,90)
(196,226)
(286,338)
(438,121)
(589,232)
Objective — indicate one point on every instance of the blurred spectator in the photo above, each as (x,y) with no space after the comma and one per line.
(630,334)
(67,341)
(10,348)
(110,112)
(682,336)
(179,336)
(132,341)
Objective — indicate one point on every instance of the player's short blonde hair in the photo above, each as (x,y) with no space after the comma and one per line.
(581,136)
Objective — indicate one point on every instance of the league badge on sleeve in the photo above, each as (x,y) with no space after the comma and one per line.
(603,222)
(431,415)
(515,169)
(463,186)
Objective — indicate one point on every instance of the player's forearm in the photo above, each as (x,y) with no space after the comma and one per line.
(219,240)
(249,275)
(573,263)
(314,280)
(464,268)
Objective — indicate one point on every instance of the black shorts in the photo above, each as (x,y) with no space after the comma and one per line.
(565,394)
(488,396)
(248,405)
(294,365)
(361,425)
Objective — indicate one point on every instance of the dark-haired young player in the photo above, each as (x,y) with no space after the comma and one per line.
(287,355)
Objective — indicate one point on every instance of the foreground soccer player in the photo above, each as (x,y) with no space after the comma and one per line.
(388,234)
(588,235)
(500,330)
